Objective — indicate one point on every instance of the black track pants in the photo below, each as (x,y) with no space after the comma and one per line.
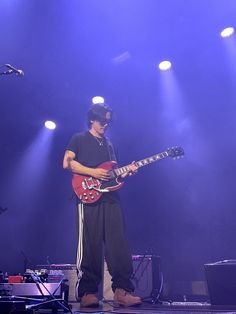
(103,225)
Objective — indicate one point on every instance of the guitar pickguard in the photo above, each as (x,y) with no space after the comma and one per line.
(111,185)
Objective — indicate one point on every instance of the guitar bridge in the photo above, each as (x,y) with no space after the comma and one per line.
(90,183)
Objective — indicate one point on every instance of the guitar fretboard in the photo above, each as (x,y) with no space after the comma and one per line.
(141,163)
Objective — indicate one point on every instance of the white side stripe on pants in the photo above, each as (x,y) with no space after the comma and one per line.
(80,245)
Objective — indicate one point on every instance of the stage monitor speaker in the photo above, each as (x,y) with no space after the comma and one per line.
(221,282)
(146,277)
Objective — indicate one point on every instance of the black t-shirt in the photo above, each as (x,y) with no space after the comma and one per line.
(90,153)
(88,150)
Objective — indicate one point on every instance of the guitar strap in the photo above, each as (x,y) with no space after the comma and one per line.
(111,150)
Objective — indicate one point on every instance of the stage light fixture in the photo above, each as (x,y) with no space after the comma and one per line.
(227,32)
(164,65)
(50,125)
(98,100)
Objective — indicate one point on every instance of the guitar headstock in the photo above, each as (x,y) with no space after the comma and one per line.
(175,152)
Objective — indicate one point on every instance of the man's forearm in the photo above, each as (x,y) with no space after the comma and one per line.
(76,167)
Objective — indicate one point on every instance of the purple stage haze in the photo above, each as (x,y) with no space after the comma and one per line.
(70,51)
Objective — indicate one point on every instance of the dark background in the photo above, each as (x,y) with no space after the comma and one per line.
(70,51)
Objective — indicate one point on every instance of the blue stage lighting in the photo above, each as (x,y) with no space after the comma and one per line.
(164,65)
(50,125)
(227,32)
(98,100)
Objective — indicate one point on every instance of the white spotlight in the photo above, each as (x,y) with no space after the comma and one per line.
(98,100)
(164,65)
(227,32)
(50,125)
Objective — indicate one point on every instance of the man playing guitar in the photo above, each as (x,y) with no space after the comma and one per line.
(100,214)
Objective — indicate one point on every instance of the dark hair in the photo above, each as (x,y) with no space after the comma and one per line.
(97,112)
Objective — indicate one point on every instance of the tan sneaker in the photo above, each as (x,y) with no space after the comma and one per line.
(89,300)
(124,298)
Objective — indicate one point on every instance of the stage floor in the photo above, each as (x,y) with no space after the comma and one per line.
(107,307)
(146,308)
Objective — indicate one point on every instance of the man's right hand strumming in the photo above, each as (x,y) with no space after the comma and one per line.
(100,174)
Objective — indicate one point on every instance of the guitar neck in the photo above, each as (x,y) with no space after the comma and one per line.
(141,163)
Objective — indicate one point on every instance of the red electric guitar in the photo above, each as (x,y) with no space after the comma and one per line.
(89,189)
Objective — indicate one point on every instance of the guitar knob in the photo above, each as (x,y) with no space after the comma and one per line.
(86,198)
(90,193)
(92,197)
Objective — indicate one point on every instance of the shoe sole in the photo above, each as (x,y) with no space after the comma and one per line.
(93,305)
(116,304)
